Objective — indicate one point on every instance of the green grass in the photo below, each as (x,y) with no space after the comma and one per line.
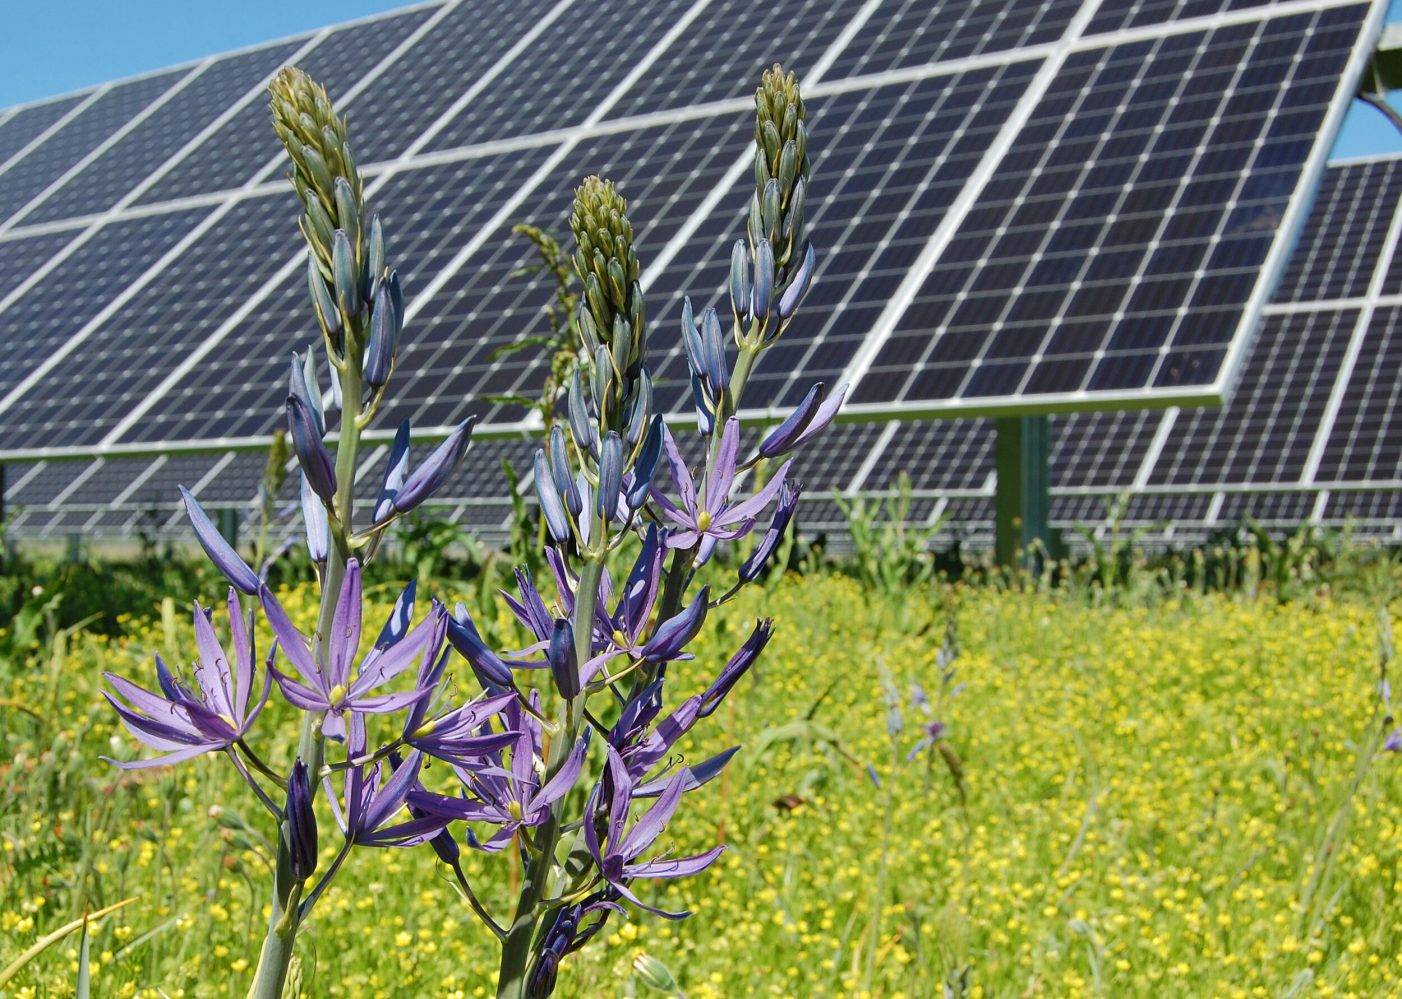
(1147,791)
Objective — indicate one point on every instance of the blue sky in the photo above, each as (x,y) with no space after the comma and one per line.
(56,46)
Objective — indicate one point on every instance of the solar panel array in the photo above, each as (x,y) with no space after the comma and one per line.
(1019,207)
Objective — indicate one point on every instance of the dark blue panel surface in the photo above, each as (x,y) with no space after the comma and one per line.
(904,33)
(1100,449)
(27,124)
(84,398)
(729,45)
(68,297)
(443,65)
(1366,441)
(79,137)
(941,454)
(1264,433)
(890,162)
(146,147)
(429,215)
(588,57)
(1117,243)
(1343,238)
(246,143)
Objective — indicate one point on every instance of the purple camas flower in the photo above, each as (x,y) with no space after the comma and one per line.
(616,853)
(188,721)
(509,794)
(329,687)
(367,817)
(301,822)
(713,517)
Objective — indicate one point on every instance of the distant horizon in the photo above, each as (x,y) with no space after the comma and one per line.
(109,44)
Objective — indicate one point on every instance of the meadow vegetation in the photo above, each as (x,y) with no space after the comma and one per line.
(1164,792)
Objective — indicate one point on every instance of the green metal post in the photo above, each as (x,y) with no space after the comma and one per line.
(227,520)
(1022,504)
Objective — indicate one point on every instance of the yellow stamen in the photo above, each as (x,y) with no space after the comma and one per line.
(620,639)
(514,810)
(425,729)
(704,521)
(338,693)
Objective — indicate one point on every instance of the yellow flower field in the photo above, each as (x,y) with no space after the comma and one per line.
(1148,793)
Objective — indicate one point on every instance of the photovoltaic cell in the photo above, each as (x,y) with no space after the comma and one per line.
(1264,434)
(1118,241)
(938,454)
(1101,449)
(1343,238)
(724,51)
(436,71)
(905,33)
(82,399)
(85,132)
(1117,15)
(1366,506)
(1279,508)
(429,215)
(245,143)
(117,171)
(1366,441)
(21,257)
(832,463)
(889,163)
(27,124)
(81,286)
(590,52)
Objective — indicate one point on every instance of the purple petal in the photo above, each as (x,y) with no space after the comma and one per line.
(344,640)
(316,461)
(395,470)
(220,552)
(722,473)
(433,472)
(754,506)
(823,417)
(212,666)
(678,867)
(680,477)
(655,819)
(564,778)
(294,645)
(783,437)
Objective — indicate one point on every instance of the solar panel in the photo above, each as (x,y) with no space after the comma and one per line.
(239,149)
(66,151)
(1112,254)
(209,91)
(1018,207)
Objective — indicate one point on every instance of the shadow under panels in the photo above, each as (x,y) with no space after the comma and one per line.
(887,164)
(1117,243)
(246,144)
(429,215)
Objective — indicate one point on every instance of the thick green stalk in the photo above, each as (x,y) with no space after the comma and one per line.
(276,955)
(516,948)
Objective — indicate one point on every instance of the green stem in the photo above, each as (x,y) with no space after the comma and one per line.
(516,947)
(283,923)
